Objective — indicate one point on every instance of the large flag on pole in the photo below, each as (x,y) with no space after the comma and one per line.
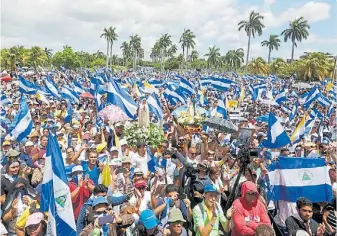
(277,136)
(55,195)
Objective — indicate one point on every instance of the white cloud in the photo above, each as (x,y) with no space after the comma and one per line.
(79,23)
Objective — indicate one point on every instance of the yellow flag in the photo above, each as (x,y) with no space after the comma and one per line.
(232,103)
(106,176)
(242,95)
(329,86)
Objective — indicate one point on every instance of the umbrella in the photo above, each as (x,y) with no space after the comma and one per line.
(221,124)
(87,95)
(113,114)
(184,109)
(6,78)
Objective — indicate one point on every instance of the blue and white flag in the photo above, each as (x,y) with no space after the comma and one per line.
(51,87)
(78,88)
(221,109)
(291,178)
(69,113)
(4,100)
(120,98)
(68,94)
(293,112)
(281,97)
(26,86)
(174,96)
(151,162)
(185,85)
(55,193)
(98,102)
(22,124)
(221,84)
(155,106)
(324,101)
(276,136)
(331,110)
(312,96)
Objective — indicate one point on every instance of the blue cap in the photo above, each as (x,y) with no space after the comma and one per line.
(99,200)
(148,219)
(210,188)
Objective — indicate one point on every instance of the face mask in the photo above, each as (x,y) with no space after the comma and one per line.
(76,178)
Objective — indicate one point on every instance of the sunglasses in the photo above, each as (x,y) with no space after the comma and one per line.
(177,223)
(252,193)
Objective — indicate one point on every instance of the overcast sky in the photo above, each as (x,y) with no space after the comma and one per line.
(79,23)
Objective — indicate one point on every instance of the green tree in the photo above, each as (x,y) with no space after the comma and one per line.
(37,57)
(194,55)
(213,57)
(297,31)
(105,35)
(271,44)
(258,66)
(112,37)
(172,50)
(252,26)
(164,43)
(278,67)
(49,53)
(67,58)
(234,58)
(126,52)
(136,45)
(187,42)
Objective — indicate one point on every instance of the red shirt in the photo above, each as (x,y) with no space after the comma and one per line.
(81,198)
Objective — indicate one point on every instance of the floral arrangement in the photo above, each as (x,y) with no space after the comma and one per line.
(187,119)
(152,135)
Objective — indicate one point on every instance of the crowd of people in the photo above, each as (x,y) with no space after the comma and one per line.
(186,196)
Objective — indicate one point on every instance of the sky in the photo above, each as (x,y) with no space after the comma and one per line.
(79,23)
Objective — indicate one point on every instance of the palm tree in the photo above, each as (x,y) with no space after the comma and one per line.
(99,54)
(252,26)
(36,56)
(112,37)
(135,44)
(258,66)
(297,31)
(105,34)
(164,43)
(66,47)
(194,55)
(187,42)
(172,50)
(155,52)
(213,56)
(126,51)
(234,58)
(49,53)
(273,43)
(277,66)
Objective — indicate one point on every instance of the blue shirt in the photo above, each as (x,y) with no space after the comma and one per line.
(93,174)
(27,159)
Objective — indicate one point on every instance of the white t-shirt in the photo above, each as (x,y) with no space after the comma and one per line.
(145,203)
(140,162)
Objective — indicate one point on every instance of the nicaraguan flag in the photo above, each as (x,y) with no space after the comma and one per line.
(281,97)
(55,194)
(4,100)
(98,101)
(155,106)
(148,88)
(185,85)
(221,84)
(69,114)
(331,110)
(312,96)
(78,88)
(23,123)
(293,112)
(120,98)
(51,87)
(291,178)
(316,113)
(221,109)
(66,93)
(277,136)
(324,101)
(26,86)
(151,162)
(156,83)
(174,96)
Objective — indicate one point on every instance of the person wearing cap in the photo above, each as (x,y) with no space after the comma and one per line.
(36,224)
(176,221)
(124,184)
(124,147)
(80,187)
(26,155)
(114,152)
(208,214)
(148,224)
(250,212)
(171,201)
(141,198)
(6,146)
(34,137)
(86,215)
(138,175)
